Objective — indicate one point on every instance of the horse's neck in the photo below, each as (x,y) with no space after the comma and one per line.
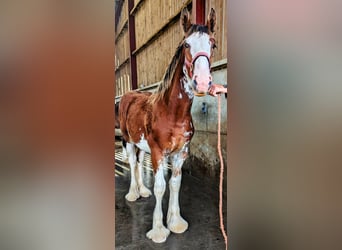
(179,99)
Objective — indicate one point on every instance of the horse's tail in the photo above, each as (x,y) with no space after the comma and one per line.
(117,117)
(122,117)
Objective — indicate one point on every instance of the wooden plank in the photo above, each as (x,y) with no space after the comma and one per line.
(122,17)
(156,35)
(117,68)
(221,28)
(148,20)
(122,30)
(154,59)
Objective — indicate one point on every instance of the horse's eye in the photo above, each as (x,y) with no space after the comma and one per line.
(186,45)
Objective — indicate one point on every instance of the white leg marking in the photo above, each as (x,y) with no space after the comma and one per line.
(143,145)
(143,191)
(124,154)
(133,193)
(175,222)
(159,232)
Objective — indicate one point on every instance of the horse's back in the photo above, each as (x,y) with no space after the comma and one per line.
(132,101)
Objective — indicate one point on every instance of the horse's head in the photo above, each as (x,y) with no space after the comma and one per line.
(198,45)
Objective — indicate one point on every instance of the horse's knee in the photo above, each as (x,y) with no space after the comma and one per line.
(131,154)
(159,190)
(159,183)
(174,183)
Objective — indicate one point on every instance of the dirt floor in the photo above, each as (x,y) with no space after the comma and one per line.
(199,202)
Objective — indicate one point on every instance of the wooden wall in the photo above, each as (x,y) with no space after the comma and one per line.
(122,53)
(123,17)
(122,78)
(154,59)
(122,45)
(220,7)
(158,34)
(152,16)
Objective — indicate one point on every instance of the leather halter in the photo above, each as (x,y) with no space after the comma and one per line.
(191,64)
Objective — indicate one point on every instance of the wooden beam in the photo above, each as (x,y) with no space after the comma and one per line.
(118,67)
(121,31)
(198,11)
(132,44)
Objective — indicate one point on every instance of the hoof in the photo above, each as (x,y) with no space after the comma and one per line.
(132,196)
(144,191)
(177,224)
(158,234)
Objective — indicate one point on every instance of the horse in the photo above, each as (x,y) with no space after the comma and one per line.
(161,123)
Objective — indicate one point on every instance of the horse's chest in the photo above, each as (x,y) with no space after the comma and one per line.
(181,136)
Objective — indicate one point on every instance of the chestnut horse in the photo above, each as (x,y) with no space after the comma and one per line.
(161,123)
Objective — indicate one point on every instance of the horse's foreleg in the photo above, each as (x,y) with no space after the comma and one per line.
(143,191)
(159,232)
(133,192)
(175,222)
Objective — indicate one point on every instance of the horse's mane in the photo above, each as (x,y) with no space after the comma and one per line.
(165,85)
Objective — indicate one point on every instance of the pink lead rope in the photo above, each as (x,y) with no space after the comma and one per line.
(221,169)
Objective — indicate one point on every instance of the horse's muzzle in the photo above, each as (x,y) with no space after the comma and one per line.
(201,85)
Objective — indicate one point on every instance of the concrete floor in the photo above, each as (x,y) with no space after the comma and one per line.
(199,199)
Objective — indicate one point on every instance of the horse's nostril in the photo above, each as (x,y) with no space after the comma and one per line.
(195,82)
(210,78)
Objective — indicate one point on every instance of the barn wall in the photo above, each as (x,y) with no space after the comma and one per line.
(204,142)
(123,17)
(154,59)
(122,77)
(122,53)
(220,29)
(152,16)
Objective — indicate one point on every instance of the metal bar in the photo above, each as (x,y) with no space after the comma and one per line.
(136,7)
(122,166)
(198,11)
(132,44)
(117,172)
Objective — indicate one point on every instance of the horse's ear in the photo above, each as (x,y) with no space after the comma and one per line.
(185,20)
(211,22)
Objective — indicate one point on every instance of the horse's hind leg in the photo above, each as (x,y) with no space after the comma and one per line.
(124,151)
(133,193)
(143,191)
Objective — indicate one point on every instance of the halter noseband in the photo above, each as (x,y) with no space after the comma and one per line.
(197,55)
